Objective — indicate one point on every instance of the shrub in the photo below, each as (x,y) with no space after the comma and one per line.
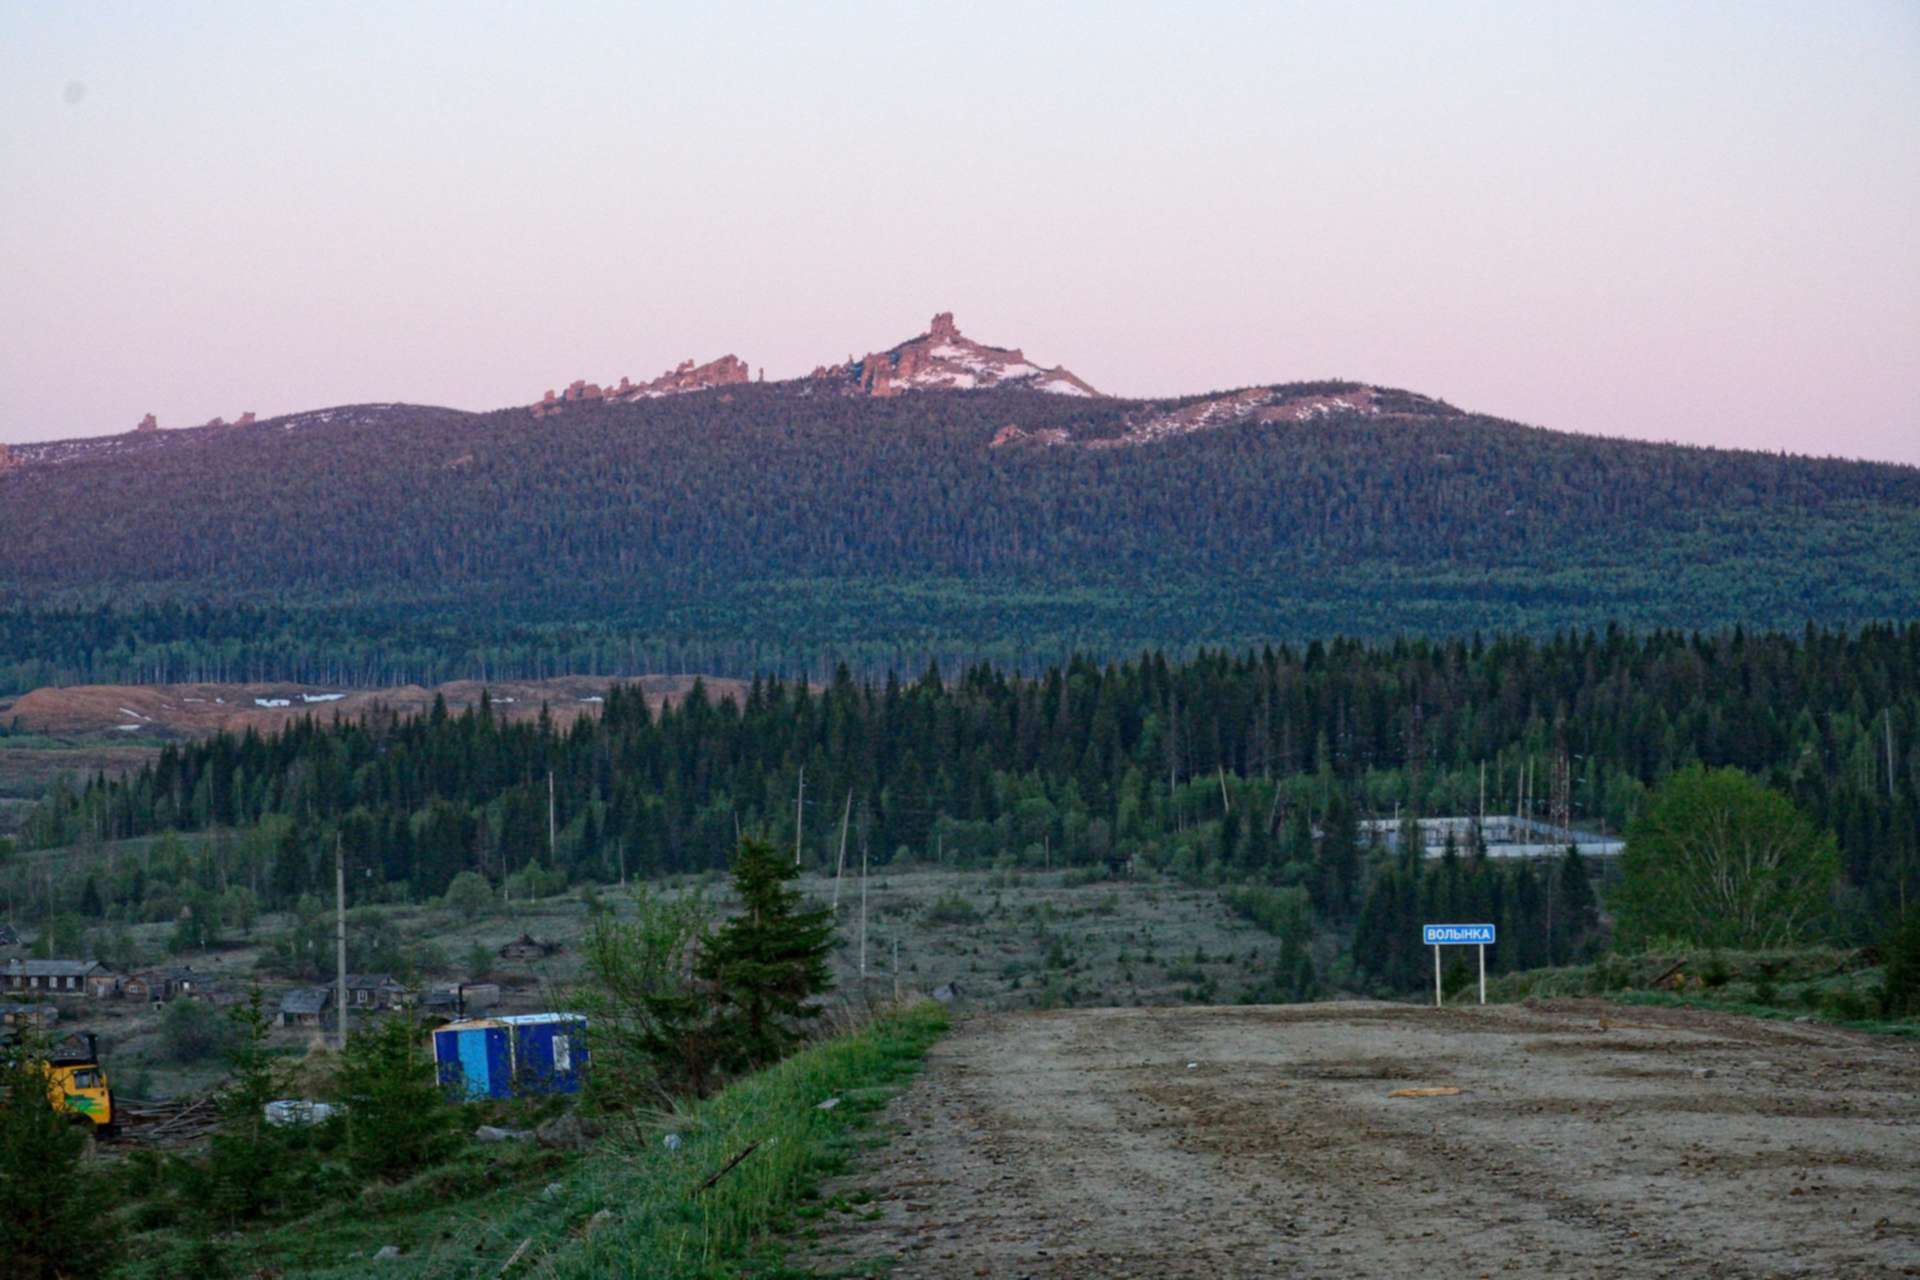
(479,961)
(952,908)
(649,1022)
(1847,1006)
(469,896)
(190,1031)
(1900,986)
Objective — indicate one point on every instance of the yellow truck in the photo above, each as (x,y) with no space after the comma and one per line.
(77,1083)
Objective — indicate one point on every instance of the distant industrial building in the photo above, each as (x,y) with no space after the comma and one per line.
(1506,836)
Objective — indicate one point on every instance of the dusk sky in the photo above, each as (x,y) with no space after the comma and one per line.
(1685,222)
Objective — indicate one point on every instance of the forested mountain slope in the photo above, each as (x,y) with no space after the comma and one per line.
(773,523)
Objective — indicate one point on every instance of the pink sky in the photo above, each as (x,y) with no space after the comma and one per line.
(1695,222)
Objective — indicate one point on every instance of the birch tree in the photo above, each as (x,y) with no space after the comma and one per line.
(1716,859)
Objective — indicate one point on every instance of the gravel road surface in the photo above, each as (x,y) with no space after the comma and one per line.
(1586,1139)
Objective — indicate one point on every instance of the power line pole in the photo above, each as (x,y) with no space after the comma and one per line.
(552,842)
(840,865)
(1889,753)
(340,935)
(799,813)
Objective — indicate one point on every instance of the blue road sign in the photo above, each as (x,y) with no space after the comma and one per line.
(1455,935)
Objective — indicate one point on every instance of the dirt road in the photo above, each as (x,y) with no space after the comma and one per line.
(1586,1140)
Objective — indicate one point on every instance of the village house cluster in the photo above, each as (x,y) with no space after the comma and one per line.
(34,987)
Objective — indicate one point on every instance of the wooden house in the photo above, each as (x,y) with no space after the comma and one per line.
(158,985)
(29,1015)
(50,977)
(375,991)
(306,1007)
(460,999)
(526,947)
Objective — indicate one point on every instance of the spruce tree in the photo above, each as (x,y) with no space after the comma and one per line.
(53,1219)
(766,963)
(246,1158)
(397,1120)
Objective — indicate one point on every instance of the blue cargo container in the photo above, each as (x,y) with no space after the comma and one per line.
(512,1056)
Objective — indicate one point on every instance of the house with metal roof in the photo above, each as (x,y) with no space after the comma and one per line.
(375,991)
(160,984)
(60,977)
(306,1007)
(29,1015)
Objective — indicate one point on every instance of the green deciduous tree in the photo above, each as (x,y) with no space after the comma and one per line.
(190,1031)
(470,896)
(651,1018)
(1717,859)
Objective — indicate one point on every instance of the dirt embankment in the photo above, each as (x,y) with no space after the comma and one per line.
(1585,1140)
(141,712)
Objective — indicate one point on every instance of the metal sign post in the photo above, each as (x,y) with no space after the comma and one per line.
(1457,935)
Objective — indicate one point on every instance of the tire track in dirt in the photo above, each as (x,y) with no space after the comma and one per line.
(1587,1141)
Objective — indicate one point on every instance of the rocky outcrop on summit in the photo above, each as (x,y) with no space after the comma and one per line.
(1259,404)
(941,359)
(150,425)
(686,376)
(6,460)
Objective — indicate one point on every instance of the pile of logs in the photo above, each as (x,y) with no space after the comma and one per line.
(166,1124)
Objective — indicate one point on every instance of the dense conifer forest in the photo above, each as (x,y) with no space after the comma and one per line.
(773,527)
(1250,769)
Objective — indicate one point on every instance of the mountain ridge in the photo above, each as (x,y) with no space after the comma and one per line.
(875,509)
(940,359)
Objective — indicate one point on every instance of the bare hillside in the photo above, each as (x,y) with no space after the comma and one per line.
(197,710)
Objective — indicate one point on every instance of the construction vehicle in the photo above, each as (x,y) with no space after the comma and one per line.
(77,1083)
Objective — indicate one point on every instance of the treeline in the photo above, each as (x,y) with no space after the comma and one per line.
(372,647)
(768,527)
(1249,766)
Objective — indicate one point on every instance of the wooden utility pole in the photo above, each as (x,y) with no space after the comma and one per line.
(840,864)
(1889,753)
(552,843)
(799,813)
(340,936)
(863,914)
